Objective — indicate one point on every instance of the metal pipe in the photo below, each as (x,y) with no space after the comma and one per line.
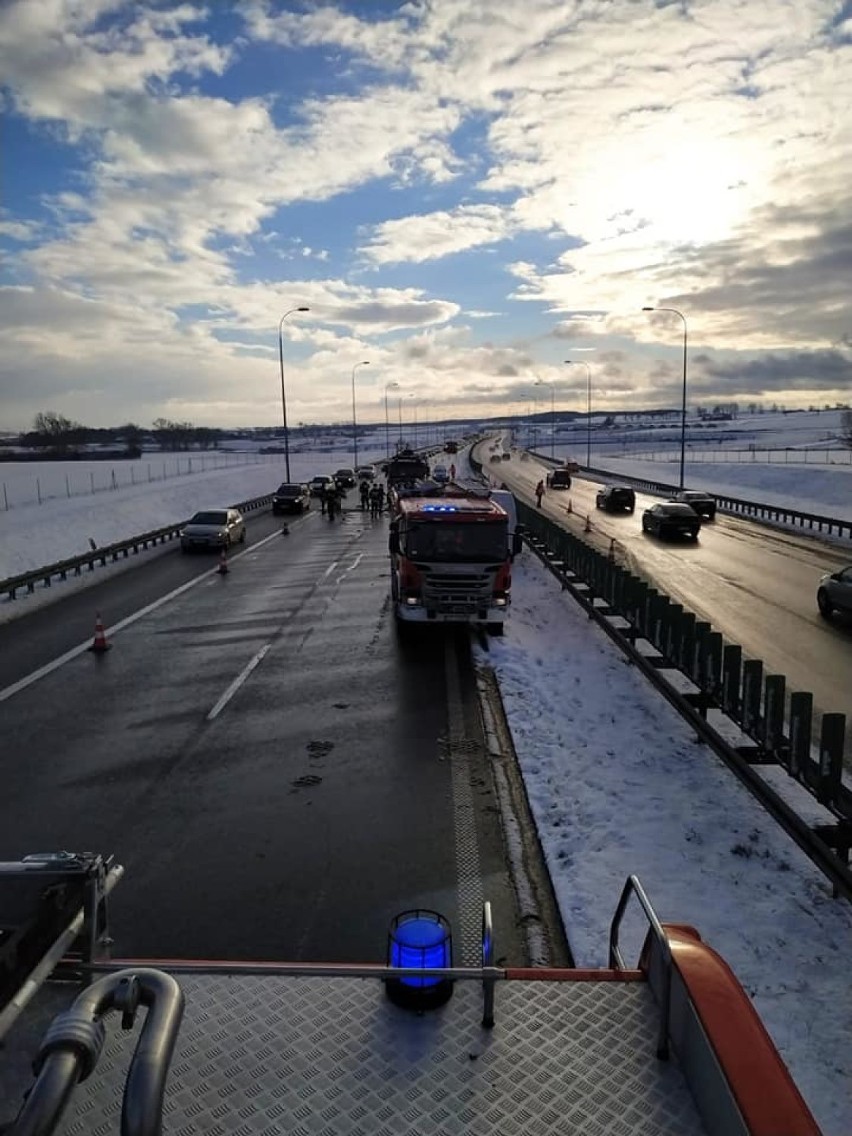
(74,1041)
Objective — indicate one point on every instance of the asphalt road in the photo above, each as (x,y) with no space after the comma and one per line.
(278,773)
(754,583)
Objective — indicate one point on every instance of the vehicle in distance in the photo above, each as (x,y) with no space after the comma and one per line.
(366,472)
(321,484)
(835,592)
(671,518)
(345,477)
(440,473)
(213,528)
(702,503)
(559,479)
(291,498)
(613,498)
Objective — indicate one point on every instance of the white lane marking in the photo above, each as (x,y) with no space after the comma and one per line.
(61,660)
(237,683)
(329,570)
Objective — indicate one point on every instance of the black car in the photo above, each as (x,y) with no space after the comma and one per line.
(702,503)
(671,518)
(345,478)
(291,498)
(616,497)
(559,479)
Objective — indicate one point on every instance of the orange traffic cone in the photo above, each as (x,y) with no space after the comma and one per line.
(569,509)
(588,525)
(223,563)
(612,548)
(99,643)
(285,530)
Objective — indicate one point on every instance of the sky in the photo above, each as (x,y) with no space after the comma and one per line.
(616,782)
(464,195)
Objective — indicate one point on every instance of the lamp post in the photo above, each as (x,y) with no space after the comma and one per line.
(549,382)
(393,385)
(283,396)
(363,363)
(583,363)
(683,403)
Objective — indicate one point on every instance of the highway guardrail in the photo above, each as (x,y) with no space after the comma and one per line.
(758,510)
(108,553)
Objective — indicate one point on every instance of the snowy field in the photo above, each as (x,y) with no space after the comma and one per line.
(616,780)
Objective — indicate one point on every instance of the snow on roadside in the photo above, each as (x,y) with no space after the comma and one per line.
(618,784)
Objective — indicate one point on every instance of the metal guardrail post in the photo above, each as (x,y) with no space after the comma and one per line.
(752,681)
(641,609)
(687,642)
(673,632)
(831,757)
(801,723)
(710,662)
(732,662)
(702,630)
(773,713)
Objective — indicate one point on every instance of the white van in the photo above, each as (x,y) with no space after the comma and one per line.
(506,501)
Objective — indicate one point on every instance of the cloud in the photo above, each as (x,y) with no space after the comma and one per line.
(632,153)
(432,236)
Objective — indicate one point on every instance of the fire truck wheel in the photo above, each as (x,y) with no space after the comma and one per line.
(495,628)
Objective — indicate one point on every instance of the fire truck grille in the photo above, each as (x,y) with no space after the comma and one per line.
(459,594)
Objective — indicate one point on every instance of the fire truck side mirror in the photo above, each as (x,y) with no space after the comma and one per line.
(393,541)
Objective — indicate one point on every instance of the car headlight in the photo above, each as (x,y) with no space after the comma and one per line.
(500,601)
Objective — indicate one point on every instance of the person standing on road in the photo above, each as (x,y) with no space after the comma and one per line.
(539,493)
(323,496)
(333,501)
(374,502)
(365,493)
(452,471)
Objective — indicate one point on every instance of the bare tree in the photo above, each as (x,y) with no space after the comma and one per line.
(846,427)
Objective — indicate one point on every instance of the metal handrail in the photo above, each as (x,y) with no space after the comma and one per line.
(74,1042)
(616,961)
(488,980)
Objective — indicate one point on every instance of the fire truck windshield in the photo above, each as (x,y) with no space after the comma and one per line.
(457,541)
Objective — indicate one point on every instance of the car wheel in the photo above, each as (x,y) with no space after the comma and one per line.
(824,604)
(243,537)
(495,629)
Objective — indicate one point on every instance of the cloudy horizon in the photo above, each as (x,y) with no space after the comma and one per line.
(464,196)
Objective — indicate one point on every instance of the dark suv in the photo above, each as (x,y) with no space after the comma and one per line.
(702,503)
(559,479)
(291,498)
(616,497)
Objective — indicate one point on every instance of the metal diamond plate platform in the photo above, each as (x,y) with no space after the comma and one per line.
(332,1056)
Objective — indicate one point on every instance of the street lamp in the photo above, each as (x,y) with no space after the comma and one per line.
(683,404)
(283,396)
(549,382)
(363,363)
(393,385)
(583,363)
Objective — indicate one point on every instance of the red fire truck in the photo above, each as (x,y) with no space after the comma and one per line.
(450,560)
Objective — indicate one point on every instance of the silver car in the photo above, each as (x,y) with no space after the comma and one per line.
(213,528)
(835,592)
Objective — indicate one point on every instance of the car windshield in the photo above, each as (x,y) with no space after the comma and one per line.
(289,490)
(210,518)
(457,540)
(676,510)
